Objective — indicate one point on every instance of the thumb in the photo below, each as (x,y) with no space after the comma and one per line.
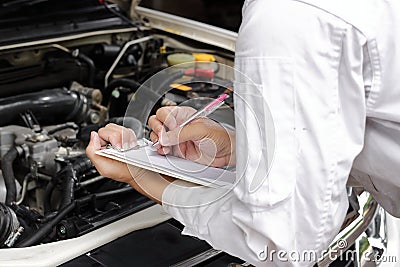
(190,132)
(93,145)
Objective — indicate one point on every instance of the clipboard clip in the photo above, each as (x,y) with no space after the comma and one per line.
(141,143)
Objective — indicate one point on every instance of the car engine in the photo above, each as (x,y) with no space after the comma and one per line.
(64,73)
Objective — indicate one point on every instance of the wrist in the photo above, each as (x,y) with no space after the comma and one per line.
(232,156)
(150,184)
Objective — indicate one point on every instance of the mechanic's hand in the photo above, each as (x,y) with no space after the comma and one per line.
(144,181)
(112,134)
(203,140)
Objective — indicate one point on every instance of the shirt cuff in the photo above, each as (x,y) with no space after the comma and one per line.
(170,199)
(191,204)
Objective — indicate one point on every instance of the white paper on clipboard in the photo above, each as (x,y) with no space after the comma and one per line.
(148,158)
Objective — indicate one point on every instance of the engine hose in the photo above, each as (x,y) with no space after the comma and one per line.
(63,105)
(126,83)
(47,228)
(68,186)
(91,67)
(63,127)
(43,231)
(68,175)
(8,173)
(163,87)
(144,102)
(83,165)
(47,195)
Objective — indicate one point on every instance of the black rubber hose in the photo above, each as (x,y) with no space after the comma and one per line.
(68,186)
(102,195)
(164,87)
(91,67)
(47,195)
(63,127)
(8,174)
(83,165)
(48,227)
(152,93)
(126,83)
(49,106)
(68,176)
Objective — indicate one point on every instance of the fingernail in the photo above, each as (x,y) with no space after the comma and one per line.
(92,135)
(165,150)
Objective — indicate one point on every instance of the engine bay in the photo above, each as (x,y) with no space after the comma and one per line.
(68,77)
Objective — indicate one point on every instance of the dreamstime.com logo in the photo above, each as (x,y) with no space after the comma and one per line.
(340,253)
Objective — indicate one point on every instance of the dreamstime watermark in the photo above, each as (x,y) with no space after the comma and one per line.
(370,256)
(340,253)
(274,255)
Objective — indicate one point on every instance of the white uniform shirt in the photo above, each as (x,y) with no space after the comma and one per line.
(329,71)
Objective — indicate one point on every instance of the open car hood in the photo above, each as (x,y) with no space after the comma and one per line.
(26,21)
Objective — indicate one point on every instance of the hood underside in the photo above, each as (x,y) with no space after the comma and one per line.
(23,21)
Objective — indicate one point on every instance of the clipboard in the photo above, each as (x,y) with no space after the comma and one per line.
(147,157)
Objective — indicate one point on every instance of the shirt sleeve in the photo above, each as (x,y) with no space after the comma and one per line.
(300,120)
